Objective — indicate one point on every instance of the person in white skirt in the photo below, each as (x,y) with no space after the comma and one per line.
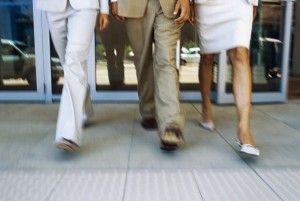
(227,25)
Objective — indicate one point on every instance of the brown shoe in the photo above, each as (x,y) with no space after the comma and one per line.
(67,145)
(168,147)
(171,138)
(149,124)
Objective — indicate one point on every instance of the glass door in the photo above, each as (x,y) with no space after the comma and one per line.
(113,77)
(269,55)
(20,75)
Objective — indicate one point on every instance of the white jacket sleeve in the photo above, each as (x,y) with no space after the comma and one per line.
(104,7)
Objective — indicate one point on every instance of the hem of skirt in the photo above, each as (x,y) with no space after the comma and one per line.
(220,50)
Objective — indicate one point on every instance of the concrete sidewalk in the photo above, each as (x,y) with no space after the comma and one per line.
(120,161)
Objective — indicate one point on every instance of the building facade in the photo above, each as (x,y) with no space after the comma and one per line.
(30,69)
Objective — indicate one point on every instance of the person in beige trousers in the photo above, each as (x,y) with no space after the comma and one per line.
(158,22)
(72,24)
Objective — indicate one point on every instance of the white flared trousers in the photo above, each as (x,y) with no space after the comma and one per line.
(72,32)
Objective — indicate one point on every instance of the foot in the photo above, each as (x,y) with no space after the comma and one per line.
(149,124)
(208,125)
(86,121)
(248,148)
(168,147)
(171,138)
(206,113)
(67,145)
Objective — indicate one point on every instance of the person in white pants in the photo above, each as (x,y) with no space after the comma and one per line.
(72,24)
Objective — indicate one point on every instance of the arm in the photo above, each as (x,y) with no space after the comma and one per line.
(192,13)
(255,5)
(184,7)
(254,12)
(103,21)
(114,10)
(103,17)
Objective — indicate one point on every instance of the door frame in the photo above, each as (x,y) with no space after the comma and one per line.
(262,97)
(39,94)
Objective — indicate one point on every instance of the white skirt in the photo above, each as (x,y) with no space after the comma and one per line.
(223,24)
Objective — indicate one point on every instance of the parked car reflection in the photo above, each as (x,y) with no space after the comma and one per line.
(17,63)
(191,55)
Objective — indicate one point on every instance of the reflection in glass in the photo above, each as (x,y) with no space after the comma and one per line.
(114,40)
(265,49)
(57,74)
(189,57)
(1,61)
(17,46)
(115,68)
(112,73)
(189,60)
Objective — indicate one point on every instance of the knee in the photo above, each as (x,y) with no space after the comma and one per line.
(77,52)
(239,54)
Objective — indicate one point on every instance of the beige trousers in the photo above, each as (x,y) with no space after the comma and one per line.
(155,28)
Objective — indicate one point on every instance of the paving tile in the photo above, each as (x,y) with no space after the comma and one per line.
(25,185)
(288,113)
(233,185)
(18,139)
(106,143)
(89,185)
(294,101)
(23,126)
(274,138)
(158,185)
(29,113)
(284,181)
(119,160)
(202,149)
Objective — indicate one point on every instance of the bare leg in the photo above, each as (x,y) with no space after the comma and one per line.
(242,92)
(205,79)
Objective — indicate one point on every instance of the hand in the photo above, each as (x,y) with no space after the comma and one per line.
(114,11)
(184,7)
(191,20)
(103,21)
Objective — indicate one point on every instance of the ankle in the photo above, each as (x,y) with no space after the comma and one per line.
(206,115)
(246,138)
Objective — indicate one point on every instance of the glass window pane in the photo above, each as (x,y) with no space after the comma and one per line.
(115,69)
(189,60)
(57,74)
(265,49)
(17,70)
